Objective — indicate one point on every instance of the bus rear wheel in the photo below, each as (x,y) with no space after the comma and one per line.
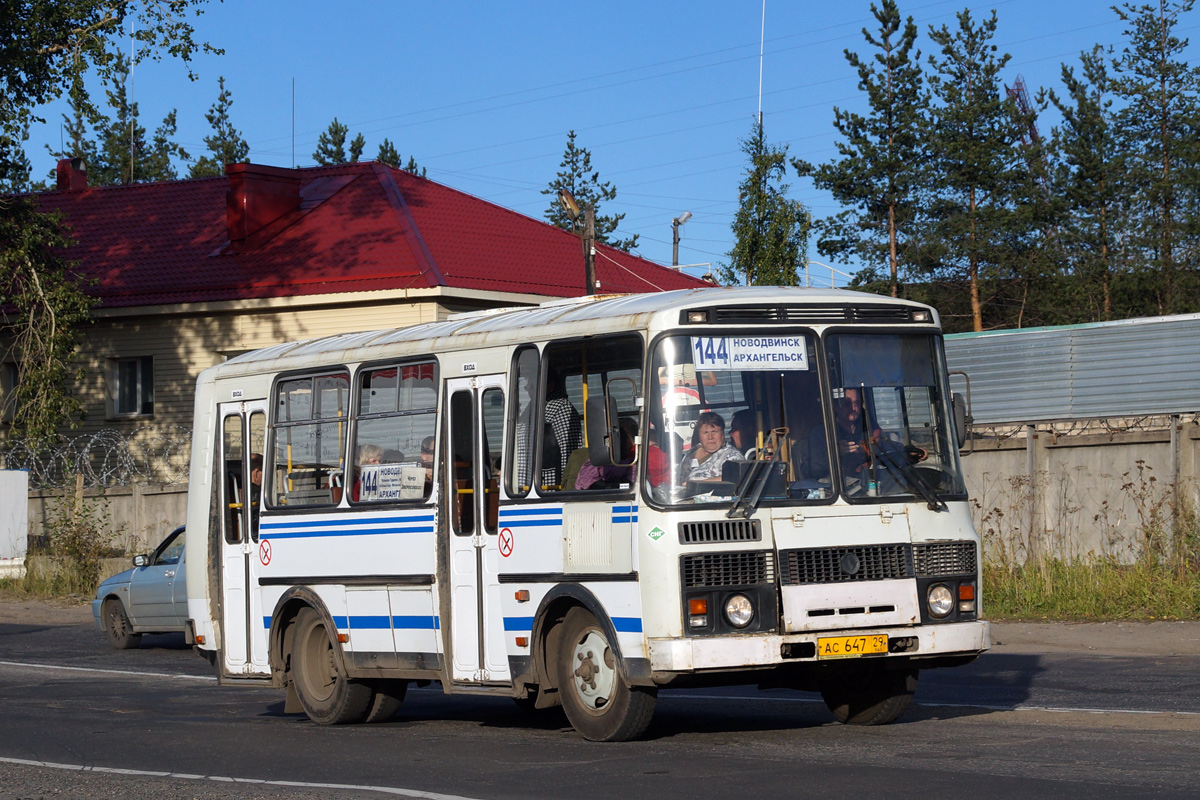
(386,699)
(598,701)
(869,695)
(327,695)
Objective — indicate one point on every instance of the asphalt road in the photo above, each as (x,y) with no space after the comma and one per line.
(1012,724)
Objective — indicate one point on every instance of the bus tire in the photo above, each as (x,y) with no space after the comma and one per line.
(872,696)
(327,695)
(117,626)
(598,701)
(386,701)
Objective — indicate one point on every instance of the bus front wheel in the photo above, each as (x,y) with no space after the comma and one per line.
(869,696)
(327,695)
(599,703)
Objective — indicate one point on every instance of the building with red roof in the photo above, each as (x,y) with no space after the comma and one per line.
(189,273)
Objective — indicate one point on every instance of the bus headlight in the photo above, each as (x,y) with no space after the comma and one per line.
(940,599)
(739,611)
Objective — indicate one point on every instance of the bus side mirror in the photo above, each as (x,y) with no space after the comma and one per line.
(962,418)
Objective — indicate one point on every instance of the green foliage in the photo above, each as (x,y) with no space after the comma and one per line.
(881,156)
(331,145)
(577,177)
(225,144)
(389,155)
(79,533)
(356,148)
(770,230)
(120,154)
(1156,126)
(48,307)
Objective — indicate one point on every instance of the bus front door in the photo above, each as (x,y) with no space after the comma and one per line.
(473,456)
(243,640)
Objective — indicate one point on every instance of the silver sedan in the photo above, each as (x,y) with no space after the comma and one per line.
(150,598)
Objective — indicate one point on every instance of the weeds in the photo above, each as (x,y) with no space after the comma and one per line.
(1148,566)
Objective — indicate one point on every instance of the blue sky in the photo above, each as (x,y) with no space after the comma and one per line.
(483,94)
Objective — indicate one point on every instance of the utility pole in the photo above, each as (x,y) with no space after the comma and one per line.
(589,247)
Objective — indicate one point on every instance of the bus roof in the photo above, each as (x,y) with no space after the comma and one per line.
(576,316)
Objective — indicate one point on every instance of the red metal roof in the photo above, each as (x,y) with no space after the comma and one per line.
(357,227)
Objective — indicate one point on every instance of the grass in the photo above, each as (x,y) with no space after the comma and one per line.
(1091,590)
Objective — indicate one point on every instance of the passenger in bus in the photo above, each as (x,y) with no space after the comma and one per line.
(367,454)
(614,475)
(855,446)
(743,432)
(566,424)
(704,461)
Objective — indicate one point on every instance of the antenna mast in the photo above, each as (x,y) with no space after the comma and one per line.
(761,39)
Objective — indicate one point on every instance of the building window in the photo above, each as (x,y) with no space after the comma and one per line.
(9,374)
(133,386)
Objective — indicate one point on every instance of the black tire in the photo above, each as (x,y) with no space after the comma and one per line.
(598,700)
(386,701)
(327,695)
(869,696)
(117,625)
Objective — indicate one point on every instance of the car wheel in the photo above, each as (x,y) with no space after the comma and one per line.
(327,695)
(598,701)
(117,625)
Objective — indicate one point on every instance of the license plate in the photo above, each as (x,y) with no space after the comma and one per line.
(852,646)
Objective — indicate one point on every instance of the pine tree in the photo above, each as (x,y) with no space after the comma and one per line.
(577,177)
(225,144)
(770,230)
(331,145)
(123,155)
(1157,127)
(356,148)
(974,134)
(1091,183)
(389,155)
(882,155)
(15,177)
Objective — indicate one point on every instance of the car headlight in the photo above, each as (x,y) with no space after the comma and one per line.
(739,610)
(940,599)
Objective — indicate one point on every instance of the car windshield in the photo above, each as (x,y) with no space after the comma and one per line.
(718,403)
(890,417)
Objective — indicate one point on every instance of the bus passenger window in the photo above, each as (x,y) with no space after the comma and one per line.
(574,372)
(309,440)
(523,423)
(395,434)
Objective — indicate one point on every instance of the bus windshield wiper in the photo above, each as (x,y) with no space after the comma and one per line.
(915,480)
(749,490)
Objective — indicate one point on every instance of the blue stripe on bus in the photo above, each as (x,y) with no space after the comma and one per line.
(340,623)
(522,511)
(620,624)
(369,622)
(365,622)
(425,623)
(360,532)
(518,623)
(618,520)
(334,523)
(624,509)
(532,523)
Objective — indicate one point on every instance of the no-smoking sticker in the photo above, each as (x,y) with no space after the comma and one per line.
(264,552)
(506,542)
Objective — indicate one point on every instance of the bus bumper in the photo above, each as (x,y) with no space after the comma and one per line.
(733,652)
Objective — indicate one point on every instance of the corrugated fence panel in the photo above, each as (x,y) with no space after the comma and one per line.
(1108,369)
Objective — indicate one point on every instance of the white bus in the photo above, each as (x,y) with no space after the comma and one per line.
(582,502)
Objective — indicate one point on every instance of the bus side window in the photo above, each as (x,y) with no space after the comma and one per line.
(462,462)
(523,422)
(309,434)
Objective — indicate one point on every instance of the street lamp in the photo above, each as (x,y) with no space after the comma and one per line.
(587,236)
(675,224)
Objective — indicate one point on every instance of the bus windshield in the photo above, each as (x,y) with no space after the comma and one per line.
(890,418)
(717,403)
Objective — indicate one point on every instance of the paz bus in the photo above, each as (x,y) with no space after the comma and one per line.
(583,502)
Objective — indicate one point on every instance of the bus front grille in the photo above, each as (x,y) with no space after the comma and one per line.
(944,558)
(725,530)
(728,569)
(839,564)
